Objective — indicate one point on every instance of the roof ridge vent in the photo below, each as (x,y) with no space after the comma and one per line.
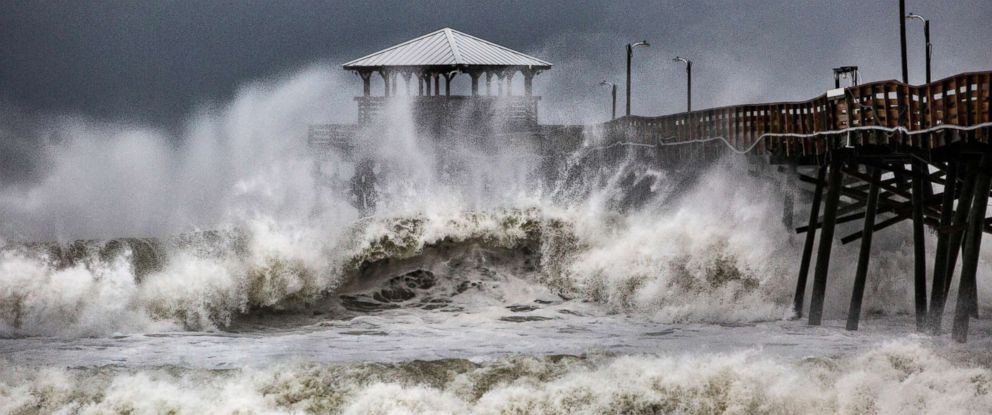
(453,45)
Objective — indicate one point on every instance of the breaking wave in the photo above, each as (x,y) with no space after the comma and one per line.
(456,223)
(695,261)
(899,377)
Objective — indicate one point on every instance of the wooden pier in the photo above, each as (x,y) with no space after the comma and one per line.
(887,113)
(877,150)
(881,147)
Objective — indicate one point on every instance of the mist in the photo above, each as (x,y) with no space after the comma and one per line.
(108,179)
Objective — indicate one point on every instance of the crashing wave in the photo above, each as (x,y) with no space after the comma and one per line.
(196,281)
(716,255)
(206,280)
(899,377)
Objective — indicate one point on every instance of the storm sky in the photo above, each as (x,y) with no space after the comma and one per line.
(156,61)
(119,111)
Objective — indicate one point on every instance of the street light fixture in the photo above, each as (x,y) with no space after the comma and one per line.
(926,35)
(630,54)
(846,72)
(613,92)
(688,88)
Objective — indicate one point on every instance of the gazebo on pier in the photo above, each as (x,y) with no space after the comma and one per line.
(437,58)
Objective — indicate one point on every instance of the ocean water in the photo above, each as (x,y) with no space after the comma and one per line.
(214,272)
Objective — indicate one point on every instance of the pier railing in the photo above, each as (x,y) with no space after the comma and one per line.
(322,138)
(508,109)
(860,115)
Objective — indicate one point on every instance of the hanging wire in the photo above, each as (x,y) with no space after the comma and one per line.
(745,150)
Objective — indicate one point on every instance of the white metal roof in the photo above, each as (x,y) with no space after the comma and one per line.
(446,47)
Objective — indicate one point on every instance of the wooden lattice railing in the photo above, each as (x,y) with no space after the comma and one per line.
(862,115)
(513,109)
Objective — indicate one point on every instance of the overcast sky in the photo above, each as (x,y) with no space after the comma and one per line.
(156,61)
(112,110)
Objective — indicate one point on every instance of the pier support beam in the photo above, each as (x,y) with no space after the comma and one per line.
(940,272)
(959,222)
(826,239)
(814,216)
(967,293)
(919,244)
(857,295)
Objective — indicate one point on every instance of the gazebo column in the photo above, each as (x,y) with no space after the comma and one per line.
(447,82)
(392,80)
(420,84)
(366,82)
(407,77)
(500,77)
(385,79)
(489,83)
(529,82)
(509,81)
(475,82)
(437,84)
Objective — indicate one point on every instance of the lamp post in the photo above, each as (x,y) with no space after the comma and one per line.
(630,54)
(926,35)
(919,239)
(902,40)
(613,93)
(929,51)
(688,88)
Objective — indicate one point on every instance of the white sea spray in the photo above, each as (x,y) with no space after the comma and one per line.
(898,377)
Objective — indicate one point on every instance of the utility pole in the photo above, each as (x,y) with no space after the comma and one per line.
(613,93)
(926,34)
(688,91)
(902,40)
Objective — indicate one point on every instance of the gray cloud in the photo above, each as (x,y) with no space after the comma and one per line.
(158,61)
(143,116)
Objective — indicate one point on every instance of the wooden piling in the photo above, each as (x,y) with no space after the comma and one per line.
(940,272)
(826,240)
(919,244)
(959,222)
(987,169)
(854,313)
(967,293)
(814,215)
